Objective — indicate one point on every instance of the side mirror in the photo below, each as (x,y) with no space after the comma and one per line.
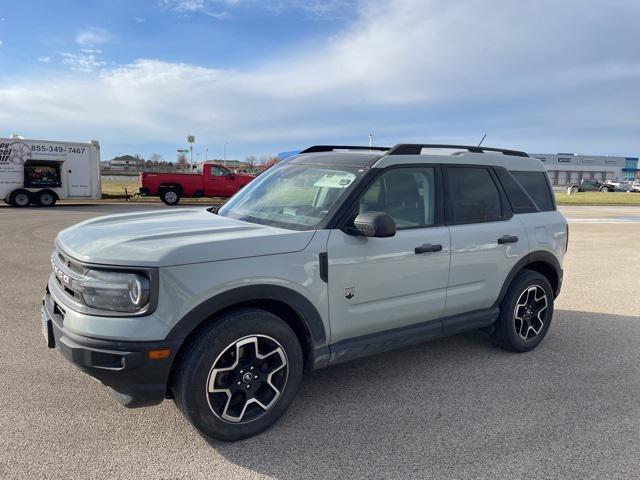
(231,176)
(374,224)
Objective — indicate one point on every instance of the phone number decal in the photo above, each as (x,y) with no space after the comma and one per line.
(56,149)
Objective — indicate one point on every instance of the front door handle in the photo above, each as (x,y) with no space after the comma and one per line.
(427,247)
(507,239)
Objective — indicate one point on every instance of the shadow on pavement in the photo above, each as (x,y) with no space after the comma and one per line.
(460,407)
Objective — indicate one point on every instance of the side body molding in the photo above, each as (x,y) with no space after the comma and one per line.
(318,356)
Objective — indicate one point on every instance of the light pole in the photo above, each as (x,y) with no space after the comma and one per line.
(225,154)
(370,139)
(206,154)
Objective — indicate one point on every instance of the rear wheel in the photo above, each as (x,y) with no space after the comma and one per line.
(20,198)
(239,375)
(525,313)
(170,196)
(575,189)
(605,189)
(46,198)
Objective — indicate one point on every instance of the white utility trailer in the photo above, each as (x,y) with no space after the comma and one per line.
(40,172)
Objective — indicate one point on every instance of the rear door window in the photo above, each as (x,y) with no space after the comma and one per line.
(537,186)
(473,196)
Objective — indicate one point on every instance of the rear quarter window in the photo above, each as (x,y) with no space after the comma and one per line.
(537,186)
(519,199)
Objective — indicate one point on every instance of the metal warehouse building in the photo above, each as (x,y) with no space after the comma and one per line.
(567,168)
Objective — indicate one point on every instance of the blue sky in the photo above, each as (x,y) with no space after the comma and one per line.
(272,75)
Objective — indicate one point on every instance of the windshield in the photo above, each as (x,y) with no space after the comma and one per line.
(292,196)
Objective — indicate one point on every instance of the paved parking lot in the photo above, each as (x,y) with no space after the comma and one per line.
(453,408)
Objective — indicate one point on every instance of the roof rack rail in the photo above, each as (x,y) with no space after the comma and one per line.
(416,149)
(330,148)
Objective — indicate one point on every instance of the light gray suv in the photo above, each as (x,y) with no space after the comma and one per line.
(334,254)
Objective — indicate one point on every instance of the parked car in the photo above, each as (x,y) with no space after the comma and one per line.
(634,186)
(335,254)
(619,186)
(214,181)
(592,185)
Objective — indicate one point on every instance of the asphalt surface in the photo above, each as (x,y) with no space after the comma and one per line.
(452,408)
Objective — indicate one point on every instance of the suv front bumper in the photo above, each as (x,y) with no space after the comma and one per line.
(134,379)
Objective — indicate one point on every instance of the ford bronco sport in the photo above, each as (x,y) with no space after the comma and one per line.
(336,253)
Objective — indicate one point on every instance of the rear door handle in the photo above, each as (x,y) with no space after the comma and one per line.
(427,247)
(507,239)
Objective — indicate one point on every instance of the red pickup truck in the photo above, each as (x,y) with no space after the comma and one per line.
(214,181)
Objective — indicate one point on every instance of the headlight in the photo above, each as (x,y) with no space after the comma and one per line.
(115,291)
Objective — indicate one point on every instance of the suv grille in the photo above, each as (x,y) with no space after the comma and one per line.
(66,272)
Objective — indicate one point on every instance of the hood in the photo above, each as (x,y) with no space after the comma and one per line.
(163,238)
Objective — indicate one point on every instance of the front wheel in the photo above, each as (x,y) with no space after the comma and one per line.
(605,189)
(170,196)
(239,375)
(525,313)
(575,189)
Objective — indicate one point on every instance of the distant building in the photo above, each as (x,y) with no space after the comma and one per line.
(567,168)
(126,163)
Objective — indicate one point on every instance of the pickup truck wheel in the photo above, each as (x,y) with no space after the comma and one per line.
(575,189)
(239,375)
(169,196)
(605,189)
(20,198)
(525,313)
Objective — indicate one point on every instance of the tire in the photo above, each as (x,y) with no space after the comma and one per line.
(170,196)
(575,189)
(20,198)
(516,317)
(46,198)
(605,189)
(230,411)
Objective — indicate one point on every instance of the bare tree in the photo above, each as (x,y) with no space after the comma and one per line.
(271,162)
(251,161)
(182,161)
(155,159)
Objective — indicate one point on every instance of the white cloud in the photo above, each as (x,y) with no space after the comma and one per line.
(317,8)
(408,70)
(92,36)
(46,59)
(83,61)
(198,6)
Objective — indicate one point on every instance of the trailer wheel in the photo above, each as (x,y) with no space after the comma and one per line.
(20,198)
(46,198)
(170,196)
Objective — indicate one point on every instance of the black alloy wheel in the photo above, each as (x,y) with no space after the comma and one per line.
(525,313)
